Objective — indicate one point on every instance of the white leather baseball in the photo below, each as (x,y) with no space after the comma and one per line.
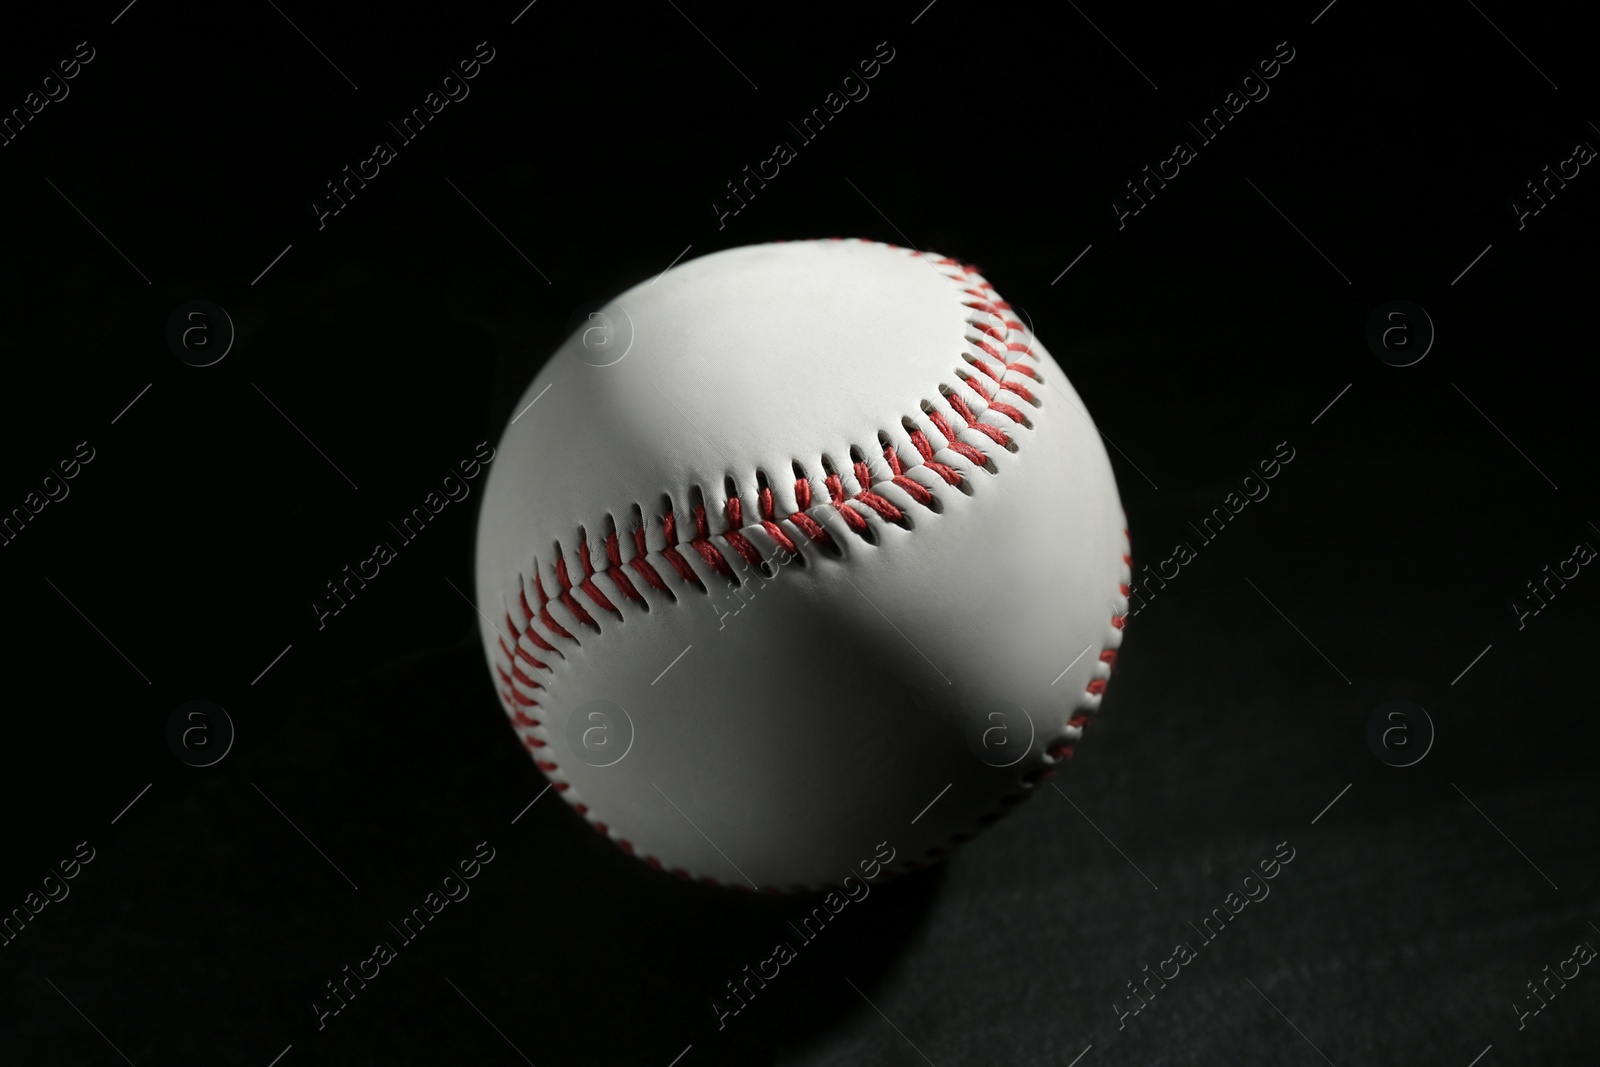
(934,643)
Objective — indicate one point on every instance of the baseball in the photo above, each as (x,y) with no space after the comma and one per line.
(799,554)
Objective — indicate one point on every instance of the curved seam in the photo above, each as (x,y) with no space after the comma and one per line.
(518,704)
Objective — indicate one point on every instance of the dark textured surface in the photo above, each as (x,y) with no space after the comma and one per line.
(1201,335)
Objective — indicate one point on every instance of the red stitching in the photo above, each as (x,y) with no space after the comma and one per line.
(740,543)
(641,564)
(987,347)
(994,405)
(915,490)
(853,518)
(768,523)
(566,596)
(588,586)
(701,543)
(813,529)
(1001,385)
(530,633)
(521,653)
(669,527)
(618,576)
(983,301)
(544,611)
(1014,414)
(892,458)
(886,511)
(920,441)
(986,369)
(960,448)
(991,432)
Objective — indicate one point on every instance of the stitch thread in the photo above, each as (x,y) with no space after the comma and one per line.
(983,302)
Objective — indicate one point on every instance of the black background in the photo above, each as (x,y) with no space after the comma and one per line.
(1204,332)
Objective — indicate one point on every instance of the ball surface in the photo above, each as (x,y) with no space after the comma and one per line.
(797,550)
